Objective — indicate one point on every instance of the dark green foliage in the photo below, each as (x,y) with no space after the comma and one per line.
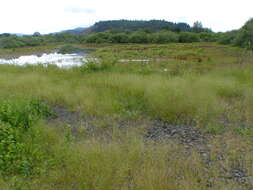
(244,37)
(33,41)
(16,119)
(123,25)
(208,36)
(102,37)
(228,37)
(119,38)
(68,49)
(64,38)
(11,42)
(164,37)
(10,147)
(180,27)
(22,114)
(92,38)
(125,31)
(138,37)
(188,37)
(144,37)
(121,31)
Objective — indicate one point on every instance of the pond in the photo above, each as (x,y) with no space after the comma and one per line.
(58,59)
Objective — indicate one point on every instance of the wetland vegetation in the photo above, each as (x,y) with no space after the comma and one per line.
(139,116)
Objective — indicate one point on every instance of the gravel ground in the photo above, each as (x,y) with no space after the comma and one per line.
(160,131)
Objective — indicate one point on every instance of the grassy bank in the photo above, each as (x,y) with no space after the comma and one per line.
(205,86)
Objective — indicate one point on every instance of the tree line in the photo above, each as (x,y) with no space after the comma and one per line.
(242,37)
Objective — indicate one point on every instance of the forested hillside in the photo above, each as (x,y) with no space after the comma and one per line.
(128,25)
(125,31)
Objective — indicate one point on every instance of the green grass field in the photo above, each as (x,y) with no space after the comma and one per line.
(205,86)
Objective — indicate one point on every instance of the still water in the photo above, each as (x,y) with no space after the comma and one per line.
(60,60)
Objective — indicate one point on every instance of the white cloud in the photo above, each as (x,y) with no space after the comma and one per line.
(28,16)
(72,9)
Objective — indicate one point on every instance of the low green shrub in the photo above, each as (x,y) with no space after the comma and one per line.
(67,49)
(16,120)
(10,148)
(22,114)
(188,37)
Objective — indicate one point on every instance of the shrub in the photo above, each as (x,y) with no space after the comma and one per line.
(102,37)
(119,38)
(244,37)
(164,37)
(22,114)
(11,42)
(188,37)
(208,36)
(10,147)
(16,119)
(228,37)
(68,49)
(138,37)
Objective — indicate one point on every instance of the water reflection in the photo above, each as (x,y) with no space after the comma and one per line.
(60,60)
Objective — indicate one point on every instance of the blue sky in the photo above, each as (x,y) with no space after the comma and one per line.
(45,16)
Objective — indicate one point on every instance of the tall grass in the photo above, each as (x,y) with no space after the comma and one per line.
(35,155)
(125,162)
(183,99)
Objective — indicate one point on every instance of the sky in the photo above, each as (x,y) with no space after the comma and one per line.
(46,16)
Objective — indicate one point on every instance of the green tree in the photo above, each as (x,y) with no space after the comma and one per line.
(139,37)
(208,36)
(228,37)
(119,38)
(164,37)
(197,27)
(244,37)
(11,42)
(188,37)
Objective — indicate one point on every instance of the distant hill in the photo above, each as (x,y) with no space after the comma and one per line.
(78,30)
(135,25)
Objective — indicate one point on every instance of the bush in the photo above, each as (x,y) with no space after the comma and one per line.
(119,38)
(91,38)
(244,37)
(164,37)
(138,37)
(10,147)
(102,37)
(188,37)
(228,37)
(16,119)
(208,36)
(68,49)
(22,114)
(11,42)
